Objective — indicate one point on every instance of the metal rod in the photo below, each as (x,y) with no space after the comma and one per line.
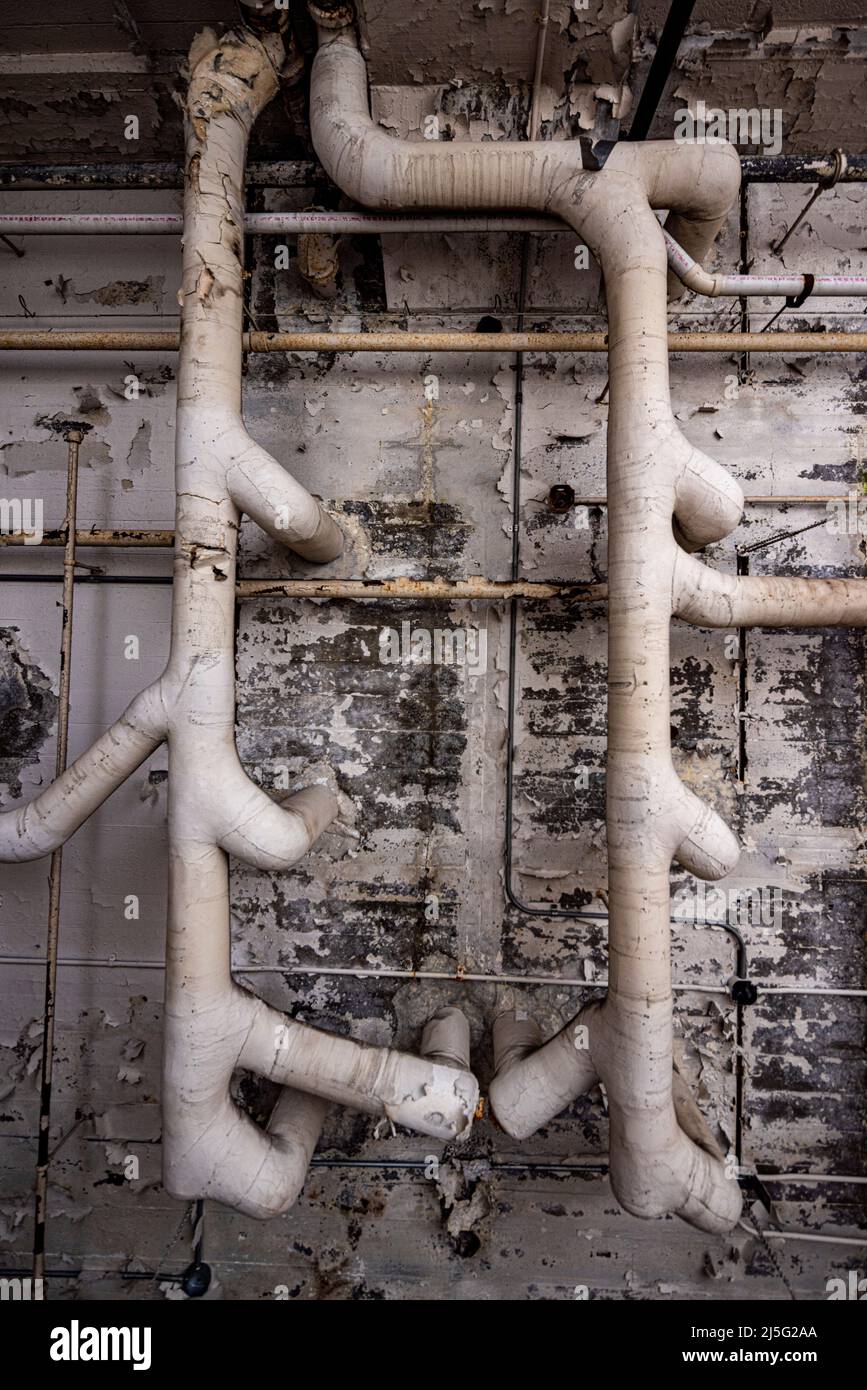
(62,340)
(655,83)
(73,439)
(823,186)
(533,123)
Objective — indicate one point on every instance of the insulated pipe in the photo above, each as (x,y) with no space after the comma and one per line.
(656,1167)
(46,822)
(663,1158)
(709,598)
(212,1026)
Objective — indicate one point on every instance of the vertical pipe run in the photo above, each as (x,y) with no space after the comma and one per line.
(534,121)
(655,83)
(43,1157)
(213,1027)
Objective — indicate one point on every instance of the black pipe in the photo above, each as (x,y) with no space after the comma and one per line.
(87,579)
(784,168)
(274,173)
(673,30)
(800,168)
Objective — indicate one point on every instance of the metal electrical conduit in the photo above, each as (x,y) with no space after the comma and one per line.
(340,223)
(462,977)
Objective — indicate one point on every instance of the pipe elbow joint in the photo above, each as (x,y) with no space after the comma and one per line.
(274,835)
(431,1098)
(710,850)
(709,502)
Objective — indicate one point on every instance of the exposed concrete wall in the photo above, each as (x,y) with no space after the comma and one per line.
(420,748)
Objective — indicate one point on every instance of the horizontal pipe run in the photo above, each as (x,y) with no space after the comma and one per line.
(131,539)
(463,977)
(812,1177)
(279,173)
(86,340)
(692,275)
(270,223)
(475,587)
(300,173)
(701,281)
(801,168)
(817,1239)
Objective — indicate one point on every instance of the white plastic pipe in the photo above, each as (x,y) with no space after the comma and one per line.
(688,271)
(695,277)
(663,1157)
(262,223)
(213,1028)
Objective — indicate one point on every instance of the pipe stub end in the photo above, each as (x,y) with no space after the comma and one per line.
(196,1279)
(332,16)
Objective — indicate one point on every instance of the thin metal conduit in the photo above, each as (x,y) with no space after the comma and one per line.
(43,1153)
(455,976)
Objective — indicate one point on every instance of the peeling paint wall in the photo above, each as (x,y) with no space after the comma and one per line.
(416,453)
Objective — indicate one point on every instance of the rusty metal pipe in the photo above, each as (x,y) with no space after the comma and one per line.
(129,538)
(474,587)
(132,538)
(86,340)
(43,1153)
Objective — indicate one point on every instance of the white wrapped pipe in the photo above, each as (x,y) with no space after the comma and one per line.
(654,474)
(213,1028)
(46,822)
(709,598)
